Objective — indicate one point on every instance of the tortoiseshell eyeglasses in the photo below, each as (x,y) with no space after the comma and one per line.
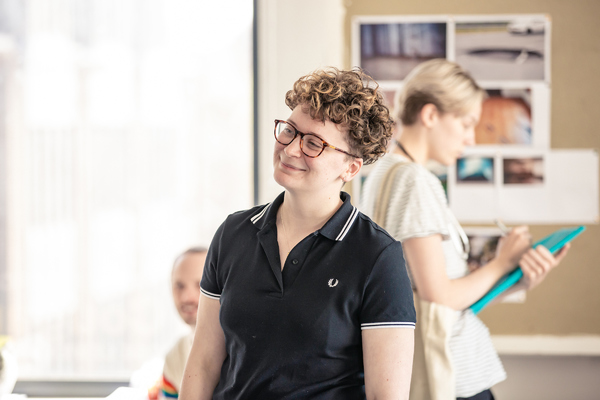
(311,145)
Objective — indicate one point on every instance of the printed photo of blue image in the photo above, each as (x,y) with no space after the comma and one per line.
(390,51)
(475,170)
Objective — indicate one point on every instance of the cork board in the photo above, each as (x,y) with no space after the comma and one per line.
(564,304)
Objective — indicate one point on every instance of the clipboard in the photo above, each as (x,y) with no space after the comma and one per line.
(553,242)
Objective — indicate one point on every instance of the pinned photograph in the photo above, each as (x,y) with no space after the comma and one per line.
(389,51)
(483,244)
(389,98)
(523,170)
(505,118)
(475,169)
(511,49)
(482,249)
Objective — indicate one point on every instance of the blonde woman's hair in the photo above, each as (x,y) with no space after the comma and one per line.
(440,82)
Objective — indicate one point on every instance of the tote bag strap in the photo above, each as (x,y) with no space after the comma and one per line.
(384,193)
(433,374)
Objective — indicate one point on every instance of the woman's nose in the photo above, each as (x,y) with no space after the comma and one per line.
(293,149)
(470,138)
(190,294)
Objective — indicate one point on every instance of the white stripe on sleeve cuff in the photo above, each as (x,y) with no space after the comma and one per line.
(210,295)
(379,325)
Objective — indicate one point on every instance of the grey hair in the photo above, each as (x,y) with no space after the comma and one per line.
(191,250)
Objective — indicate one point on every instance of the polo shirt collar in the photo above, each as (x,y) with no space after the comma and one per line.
(267,215)
(335,229)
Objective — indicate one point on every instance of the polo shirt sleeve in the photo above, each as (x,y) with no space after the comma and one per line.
(210,284)
(388,298)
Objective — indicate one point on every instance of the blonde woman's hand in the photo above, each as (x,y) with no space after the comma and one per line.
(512,246)
(537,263)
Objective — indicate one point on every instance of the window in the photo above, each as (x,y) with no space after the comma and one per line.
(129,139)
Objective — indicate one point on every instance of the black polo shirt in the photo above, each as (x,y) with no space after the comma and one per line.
(296,333)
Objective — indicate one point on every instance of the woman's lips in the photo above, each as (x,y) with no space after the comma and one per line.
(291,167)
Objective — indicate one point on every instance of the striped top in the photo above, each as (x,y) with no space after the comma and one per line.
(418,208)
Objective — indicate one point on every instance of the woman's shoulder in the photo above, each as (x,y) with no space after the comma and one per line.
(243,220)
(412,171)
(408,180)
(369,235)
(416,182)
(409,176)
(253,215)
(405,168)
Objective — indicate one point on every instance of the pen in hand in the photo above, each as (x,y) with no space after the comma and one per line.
(502,227)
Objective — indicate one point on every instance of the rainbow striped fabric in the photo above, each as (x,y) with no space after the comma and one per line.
(167,389)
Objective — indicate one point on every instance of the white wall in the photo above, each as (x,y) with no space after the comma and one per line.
(549,378)
(295,37)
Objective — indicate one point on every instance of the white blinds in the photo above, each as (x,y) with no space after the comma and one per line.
(129,140)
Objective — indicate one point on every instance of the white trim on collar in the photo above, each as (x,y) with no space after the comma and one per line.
(260,214)
(348,224)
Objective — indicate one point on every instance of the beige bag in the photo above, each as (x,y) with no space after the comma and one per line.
(433,375)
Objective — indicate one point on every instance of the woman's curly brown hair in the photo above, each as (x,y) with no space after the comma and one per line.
(346,98)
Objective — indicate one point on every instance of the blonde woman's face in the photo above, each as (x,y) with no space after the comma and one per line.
(452,133)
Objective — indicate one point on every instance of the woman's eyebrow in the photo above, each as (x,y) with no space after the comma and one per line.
(306,133)
(472,118)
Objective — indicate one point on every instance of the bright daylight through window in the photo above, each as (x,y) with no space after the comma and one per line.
(128,139)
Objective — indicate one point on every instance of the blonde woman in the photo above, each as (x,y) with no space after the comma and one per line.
(305,297)
(439,107)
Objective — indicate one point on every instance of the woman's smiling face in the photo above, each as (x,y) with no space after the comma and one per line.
(297,172)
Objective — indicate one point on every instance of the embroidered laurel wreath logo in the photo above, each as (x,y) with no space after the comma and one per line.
(333,282)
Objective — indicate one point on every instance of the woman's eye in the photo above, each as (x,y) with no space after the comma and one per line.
(314,144)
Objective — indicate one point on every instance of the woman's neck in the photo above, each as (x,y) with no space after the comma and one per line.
(308,213)
(414,142)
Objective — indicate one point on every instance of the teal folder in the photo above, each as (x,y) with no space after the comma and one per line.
(553,242)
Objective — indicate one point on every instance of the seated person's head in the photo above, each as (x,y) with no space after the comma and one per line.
(185,283)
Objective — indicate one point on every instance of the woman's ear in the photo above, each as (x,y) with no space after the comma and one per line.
(352,170)
(429,115)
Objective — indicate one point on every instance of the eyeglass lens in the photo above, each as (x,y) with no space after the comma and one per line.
(311,145)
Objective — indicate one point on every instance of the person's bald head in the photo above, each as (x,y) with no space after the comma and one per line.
(185,282)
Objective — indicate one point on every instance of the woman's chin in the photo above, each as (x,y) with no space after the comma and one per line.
(450,159)
(282,179)
(445,161)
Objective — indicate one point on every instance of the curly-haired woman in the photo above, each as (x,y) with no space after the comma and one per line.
(305,297)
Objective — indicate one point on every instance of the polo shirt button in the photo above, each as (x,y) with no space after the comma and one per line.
(294,261)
